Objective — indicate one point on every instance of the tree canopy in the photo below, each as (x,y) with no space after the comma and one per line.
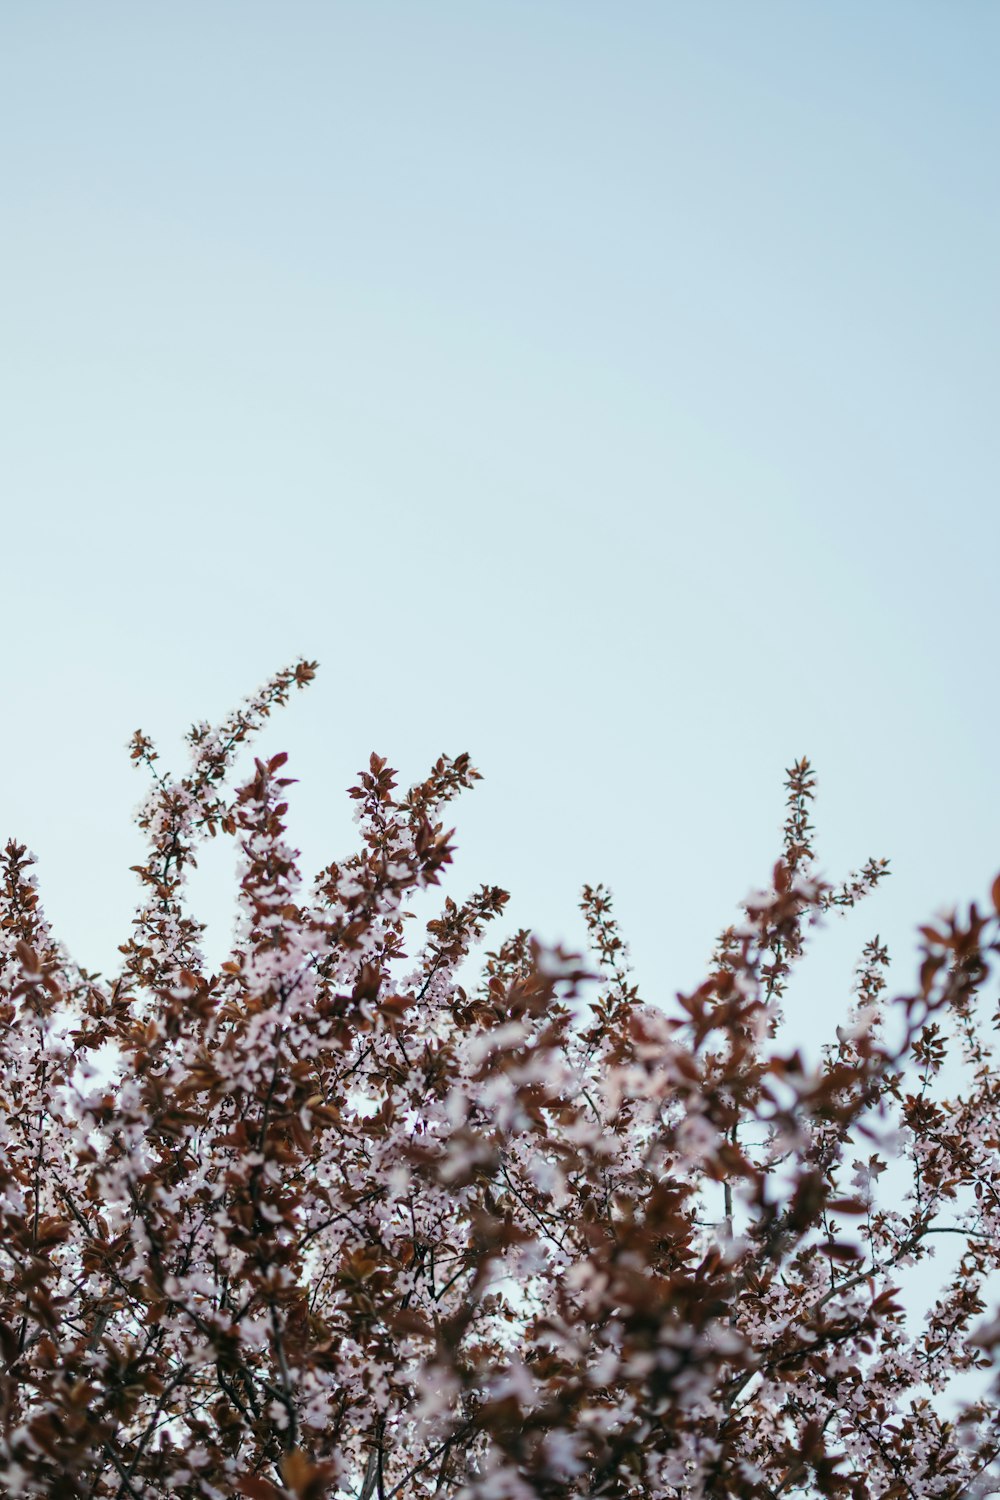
(355,1213)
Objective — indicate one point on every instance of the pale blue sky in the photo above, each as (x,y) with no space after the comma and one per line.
(609,390)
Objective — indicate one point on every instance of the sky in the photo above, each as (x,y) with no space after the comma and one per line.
(608,390)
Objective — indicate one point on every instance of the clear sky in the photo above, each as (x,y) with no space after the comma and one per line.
(607,389)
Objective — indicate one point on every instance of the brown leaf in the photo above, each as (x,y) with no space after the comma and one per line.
(256,1488)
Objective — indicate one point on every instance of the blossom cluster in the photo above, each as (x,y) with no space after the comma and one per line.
(332,1219)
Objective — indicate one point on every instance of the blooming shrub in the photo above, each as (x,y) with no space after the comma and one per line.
(338,1220)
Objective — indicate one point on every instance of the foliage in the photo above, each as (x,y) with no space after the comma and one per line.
(336,1220)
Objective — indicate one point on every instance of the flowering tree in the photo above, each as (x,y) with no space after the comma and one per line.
(339,1219)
